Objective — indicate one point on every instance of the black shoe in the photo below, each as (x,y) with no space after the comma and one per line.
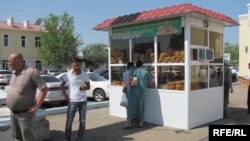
(225,116)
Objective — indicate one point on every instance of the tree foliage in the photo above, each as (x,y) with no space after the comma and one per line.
(59,44)
(234,52)
(95,54)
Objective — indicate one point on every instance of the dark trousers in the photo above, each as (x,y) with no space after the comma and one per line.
(226,98)
(248,99)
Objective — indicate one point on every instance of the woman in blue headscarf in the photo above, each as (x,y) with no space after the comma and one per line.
(136,95)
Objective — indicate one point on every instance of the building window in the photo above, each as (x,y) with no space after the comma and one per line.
(23,41)
(5,65)
(37,41)
(6,40)
(38,65)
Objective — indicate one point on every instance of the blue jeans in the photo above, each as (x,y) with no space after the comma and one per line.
(72,108)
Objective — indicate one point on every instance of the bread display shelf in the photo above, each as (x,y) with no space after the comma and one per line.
(174,85)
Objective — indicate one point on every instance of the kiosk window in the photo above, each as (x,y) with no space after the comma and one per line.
(199,37)
(199,77)
(171,49)
(171,77)
(216,43)
(215,76)
(119,51)
(143,50)
(117,75)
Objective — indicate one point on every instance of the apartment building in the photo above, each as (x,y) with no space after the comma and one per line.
(244,42)
(20,37)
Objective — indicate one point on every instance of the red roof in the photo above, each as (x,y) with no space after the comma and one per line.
(164,12)
(19,26)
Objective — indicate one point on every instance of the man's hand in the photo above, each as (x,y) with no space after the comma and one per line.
(85,86)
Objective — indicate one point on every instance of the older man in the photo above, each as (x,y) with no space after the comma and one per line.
(21,98)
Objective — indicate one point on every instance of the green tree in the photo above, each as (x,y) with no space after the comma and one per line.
(59,43)
(95,54)
(234,52)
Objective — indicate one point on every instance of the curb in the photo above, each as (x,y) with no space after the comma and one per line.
(59,110)
(5,117)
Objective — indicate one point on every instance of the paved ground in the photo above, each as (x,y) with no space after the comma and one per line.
(100,126)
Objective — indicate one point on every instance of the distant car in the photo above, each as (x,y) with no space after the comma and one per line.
(54,92)
(51,71)
(5,76)
(235,74)
(55,71)
(99,86)
(3,95)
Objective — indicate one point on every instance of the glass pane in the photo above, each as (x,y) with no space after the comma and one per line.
(199,77)
(171,48)
(194,54)
(150,69)
(119,51)
(215,76)
(6,43)
(171,77)
(116,75)
(216,43)
(143,49)
(199,37)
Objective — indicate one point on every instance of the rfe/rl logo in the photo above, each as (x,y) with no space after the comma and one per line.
(228,132)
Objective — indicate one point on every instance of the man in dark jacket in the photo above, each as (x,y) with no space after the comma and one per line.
(227,86)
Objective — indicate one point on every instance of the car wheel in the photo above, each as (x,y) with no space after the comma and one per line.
(99,95)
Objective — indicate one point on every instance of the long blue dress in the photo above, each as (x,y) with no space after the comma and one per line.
(136,95)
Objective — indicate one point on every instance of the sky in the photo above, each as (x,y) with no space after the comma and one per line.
(88,13)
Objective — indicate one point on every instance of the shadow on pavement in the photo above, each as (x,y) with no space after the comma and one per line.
(111,132)
(236,116)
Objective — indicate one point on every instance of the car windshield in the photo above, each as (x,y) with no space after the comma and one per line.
(50,79)
(101,71)
(96,77)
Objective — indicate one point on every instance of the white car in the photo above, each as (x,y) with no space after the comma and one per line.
(54,92)
(5,77)
(99,86)
(3,95)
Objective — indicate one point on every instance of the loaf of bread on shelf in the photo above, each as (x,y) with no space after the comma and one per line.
(171,85)
(117,83)
(179,85)
(195,85)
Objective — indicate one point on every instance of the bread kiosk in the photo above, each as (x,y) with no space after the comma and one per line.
(182,48)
